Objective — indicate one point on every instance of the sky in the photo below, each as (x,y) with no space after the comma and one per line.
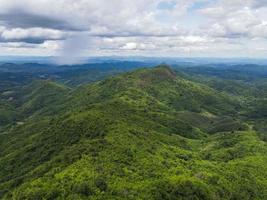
(166,28)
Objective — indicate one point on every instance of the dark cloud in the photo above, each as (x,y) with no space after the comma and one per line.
(18,44)
(20,19)
(260,3)
(29,40)
(140,33)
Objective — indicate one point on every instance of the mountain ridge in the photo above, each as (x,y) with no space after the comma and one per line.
(119,139)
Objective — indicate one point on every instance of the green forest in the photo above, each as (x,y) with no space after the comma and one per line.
(160,133)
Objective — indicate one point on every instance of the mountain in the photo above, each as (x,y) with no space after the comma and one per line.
(146,134)
(7,113)
(42,96)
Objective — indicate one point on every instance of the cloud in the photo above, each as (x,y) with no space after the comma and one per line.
(74,28)
(30,20)
(259,3)
(136,46)
(103,18)
(236,19)
(31,35)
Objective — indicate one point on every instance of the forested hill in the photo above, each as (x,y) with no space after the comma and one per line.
(153,133)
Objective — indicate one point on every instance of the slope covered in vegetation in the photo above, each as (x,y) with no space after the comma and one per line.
(147,134)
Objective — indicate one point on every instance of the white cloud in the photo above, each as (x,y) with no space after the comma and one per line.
(129,46)
(19,33)
(74,27)
(51,45)
(236,19)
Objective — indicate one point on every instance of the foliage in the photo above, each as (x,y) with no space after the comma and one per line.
(147,134)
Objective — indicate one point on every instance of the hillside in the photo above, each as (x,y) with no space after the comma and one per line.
(147,134)
(41,96)
(7,113)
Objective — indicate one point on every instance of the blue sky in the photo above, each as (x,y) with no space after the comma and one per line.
(178,28)
(166,5)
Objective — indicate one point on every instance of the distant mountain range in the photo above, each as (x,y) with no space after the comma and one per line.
(152,60)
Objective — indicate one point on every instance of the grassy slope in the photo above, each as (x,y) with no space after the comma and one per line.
(142,135)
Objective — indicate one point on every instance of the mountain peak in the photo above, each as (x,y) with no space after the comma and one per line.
(159,73)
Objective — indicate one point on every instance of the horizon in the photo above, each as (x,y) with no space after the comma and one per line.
(56,60)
